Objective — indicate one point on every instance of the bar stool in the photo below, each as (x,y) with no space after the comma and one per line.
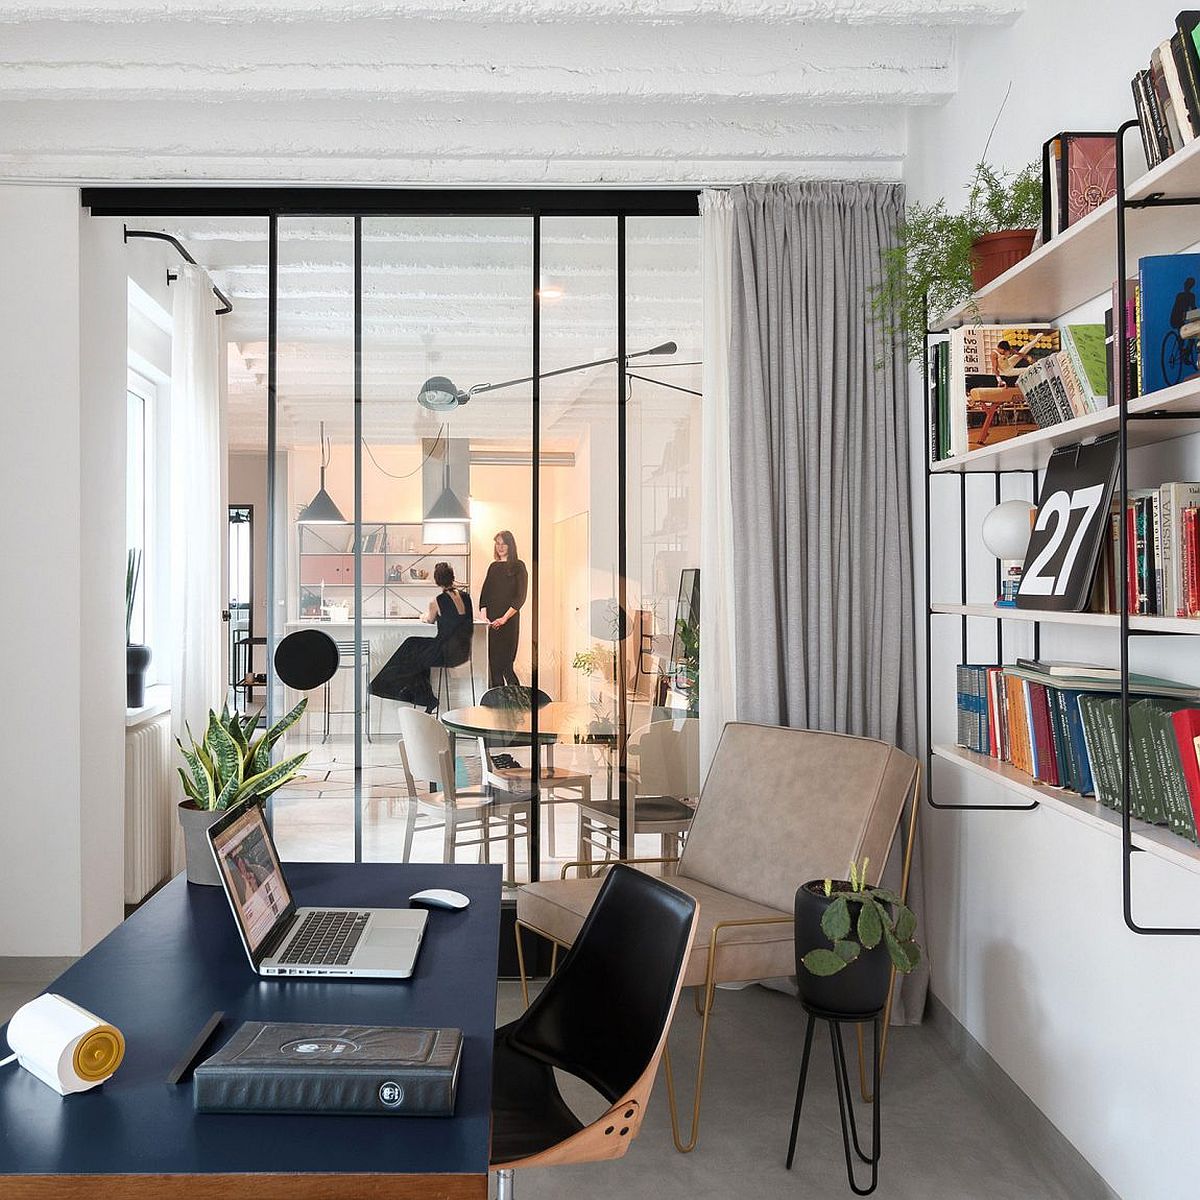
(348,659)
(444,668)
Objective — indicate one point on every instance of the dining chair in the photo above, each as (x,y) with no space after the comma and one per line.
(483,819)
(778,807)
(603,1018)
(513,778)
(664,773)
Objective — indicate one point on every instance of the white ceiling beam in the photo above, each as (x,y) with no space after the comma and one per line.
(425,61)
(934,12)
(384,142)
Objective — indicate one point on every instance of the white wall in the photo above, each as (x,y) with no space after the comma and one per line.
(1023,910)
(61,543)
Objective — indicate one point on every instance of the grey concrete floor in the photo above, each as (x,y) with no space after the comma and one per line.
(943,1137)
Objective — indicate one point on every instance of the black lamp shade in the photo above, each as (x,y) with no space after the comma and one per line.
(448,507)
(321,510)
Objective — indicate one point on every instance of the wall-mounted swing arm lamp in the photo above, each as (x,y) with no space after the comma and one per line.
(440,395)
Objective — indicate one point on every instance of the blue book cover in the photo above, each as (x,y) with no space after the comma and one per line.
(1167,293)
(1083,764)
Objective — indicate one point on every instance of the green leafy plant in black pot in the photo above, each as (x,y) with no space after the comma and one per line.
(137,656)
(849,936)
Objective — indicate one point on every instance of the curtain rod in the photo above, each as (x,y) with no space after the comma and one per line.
(174,241)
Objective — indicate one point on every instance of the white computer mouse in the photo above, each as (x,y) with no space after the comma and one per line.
(440,898)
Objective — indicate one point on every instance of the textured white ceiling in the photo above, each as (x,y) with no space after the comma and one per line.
(448,92)
(474,91)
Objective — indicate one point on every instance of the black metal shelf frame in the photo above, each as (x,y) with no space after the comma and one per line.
(1120,352)
(962,583)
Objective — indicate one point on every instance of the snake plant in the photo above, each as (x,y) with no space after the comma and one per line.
(882,917)
(133,569)
(227,765)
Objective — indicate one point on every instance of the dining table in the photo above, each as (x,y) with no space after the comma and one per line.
(559,722)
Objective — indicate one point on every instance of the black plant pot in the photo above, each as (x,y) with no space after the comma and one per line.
(137,662)
(861,988)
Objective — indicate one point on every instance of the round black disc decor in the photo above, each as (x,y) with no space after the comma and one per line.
(306,659)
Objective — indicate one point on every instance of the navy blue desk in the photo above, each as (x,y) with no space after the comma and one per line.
(162,973)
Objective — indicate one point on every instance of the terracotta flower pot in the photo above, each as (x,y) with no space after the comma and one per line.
(994,253)
(201,866)
(861,988)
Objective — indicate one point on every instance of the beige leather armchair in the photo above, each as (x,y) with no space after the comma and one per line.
(779,807)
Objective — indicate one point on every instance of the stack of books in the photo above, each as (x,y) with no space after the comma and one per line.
(989,383)
(1162,528)
(1162,321)
(1070,383)
(1167,94)
(1060,723)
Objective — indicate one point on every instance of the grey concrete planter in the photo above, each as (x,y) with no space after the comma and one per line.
(201,867)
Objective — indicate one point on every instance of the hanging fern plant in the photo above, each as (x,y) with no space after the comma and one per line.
(933,255)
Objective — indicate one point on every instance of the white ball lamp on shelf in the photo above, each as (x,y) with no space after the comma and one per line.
(1006,532)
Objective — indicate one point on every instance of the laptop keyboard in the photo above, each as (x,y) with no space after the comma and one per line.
(325,939)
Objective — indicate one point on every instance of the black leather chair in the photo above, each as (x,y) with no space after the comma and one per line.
(602,1017)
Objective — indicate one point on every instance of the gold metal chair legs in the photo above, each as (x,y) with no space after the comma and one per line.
(905,874)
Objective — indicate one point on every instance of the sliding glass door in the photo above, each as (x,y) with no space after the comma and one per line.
(484,432)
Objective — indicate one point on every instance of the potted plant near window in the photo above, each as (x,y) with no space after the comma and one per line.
(943,257)
(849,936)
(223,768)
(137,657)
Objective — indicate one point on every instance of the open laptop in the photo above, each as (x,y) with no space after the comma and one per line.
(281,939)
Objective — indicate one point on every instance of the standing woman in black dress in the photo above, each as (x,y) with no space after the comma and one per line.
(500,600)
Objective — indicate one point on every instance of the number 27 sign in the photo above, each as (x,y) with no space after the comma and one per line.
(1071,525)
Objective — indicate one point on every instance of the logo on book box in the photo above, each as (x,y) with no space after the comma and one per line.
(391,1094)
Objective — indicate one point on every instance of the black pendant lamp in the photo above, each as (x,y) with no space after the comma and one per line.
(448,521)
(321,510)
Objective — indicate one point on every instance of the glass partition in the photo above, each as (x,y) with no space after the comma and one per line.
(447,306)
(467,535)
(315,580)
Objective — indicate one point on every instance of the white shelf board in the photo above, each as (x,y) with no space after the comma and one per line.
(1078,265)
(1031,451)
(1152,838)
(1190,625)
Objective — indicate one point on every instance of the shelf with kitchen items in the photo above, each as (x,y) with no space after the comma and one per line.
(396,569)
(1166,192)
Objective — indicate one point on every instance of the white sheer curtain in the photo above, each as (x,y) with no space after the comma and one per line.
(718,696)
(196,517)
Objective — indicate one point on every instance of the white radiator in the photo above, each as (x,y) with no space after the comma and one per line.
(149,806)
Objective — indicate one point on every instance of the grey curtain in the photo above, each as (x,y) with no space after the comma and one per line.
(820,478)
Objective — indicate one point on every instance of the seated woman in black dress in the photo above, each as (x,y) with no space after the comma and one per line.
(405,676)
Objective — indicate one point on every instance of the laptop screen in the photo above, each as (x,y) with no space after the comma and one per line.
(253,876)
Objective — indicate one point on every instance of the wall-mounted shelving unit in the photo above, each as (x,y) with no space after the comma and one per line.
(391,551)
(1073,268)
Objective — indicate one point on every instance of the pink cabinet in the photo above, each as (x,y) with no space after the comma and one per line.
(337,570)
(330,569)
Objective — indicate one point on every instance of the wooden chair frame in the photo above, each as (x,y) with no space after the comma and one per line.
(610,1134)
(705,993)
